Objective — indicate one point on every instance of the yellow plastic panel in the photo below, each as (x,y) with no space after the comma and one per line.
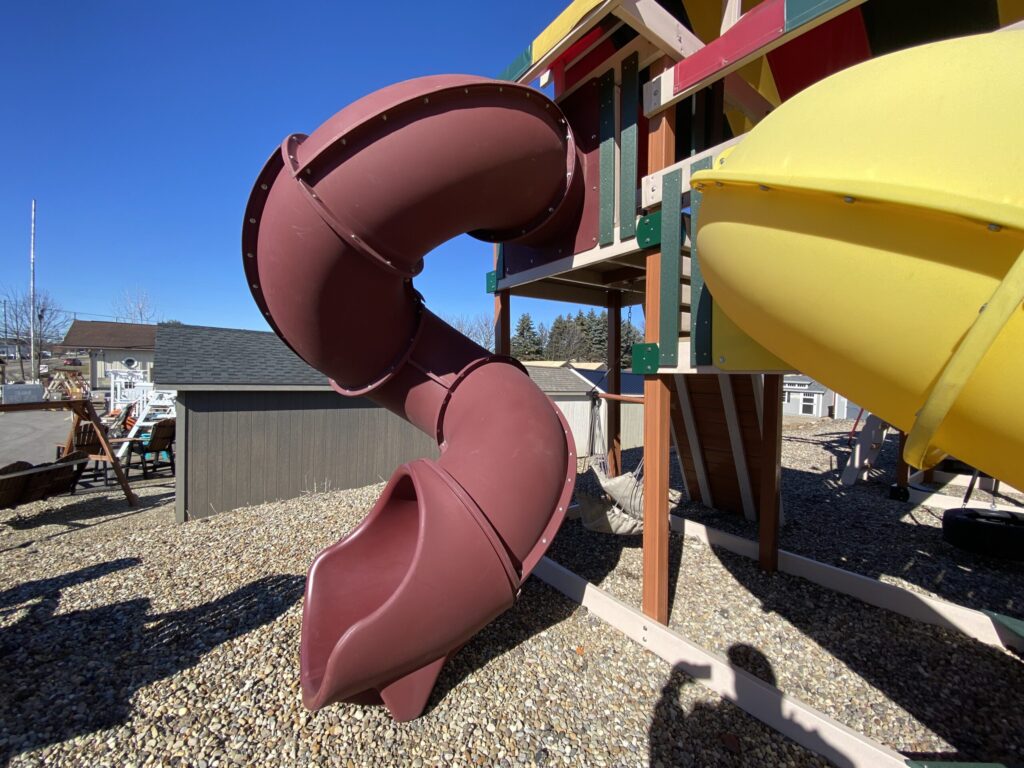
(936,127)
(733,350)
(872,299)
(563,24)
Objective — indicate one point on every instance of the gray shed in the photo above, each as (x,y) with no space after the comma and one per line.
(256,424)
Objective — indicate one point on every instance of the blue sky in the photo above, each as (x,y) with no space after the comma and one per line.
(140,127)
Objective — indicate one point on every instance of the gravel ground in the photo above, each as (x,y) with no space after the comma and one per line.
(922,690)
(129,640)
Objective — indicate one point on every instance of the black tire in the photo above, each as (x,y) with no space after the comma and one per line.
(984,531)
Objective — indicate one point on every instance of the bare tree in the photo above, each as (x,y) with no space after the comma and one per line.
(50,320)
(134,306)
(479,328)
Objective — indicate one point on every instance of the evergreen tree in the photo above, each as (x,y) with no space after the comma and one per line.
(526,342)
(630,335)
(595,334)
(564,339)
(542,339)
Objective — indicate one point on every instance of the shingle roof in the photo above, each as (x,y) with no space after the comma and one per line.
(553,380)
(195,355)
(100,334)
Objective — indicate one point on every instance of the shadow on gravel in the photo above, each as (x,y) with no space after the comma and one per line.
(72,673)
(967,693)
(89,510)
(538,608)
(718,734)
(861,529)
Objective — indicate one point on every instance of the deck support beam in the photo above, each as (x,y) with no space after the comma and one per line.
(657,434)
(502,318)
(614,383)
(771,472)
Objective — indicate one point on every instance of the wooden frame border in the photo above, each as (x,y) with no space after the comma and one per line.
(913,605)
(797,721)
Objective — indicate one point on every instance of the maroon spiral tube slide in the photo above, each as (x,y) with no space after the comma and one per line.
(336,227)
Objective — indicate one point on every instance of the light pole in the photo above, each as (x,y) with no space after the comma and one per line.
(33,371)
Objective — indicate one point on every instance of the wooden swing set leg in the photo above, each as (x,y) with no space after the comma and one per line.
(108,452)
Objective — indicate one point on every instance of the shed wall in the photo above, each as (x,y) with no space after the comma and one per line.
(245,448)
(576,409)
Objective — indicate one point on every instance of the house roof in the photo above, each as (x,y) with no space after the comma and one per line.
(580,366)
(199,357)
(802,382)
(100,334)
(558,380)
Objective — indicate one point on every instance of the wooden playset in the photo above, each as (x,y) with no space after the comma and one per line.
(751,173)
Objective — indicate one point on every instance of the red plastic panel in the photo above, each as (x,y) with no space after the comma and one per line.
(757,27)
(825,50)
(581,109)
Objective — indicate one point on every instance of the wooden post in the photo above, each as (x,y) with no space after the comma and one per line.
(614,383)
(771,472)
(657,432)
(902,468)
(69,444)
(502,318)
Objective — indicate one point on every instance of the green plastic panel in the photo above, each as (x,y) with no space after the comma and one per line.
(606,91)
(492,282)
(799,12)
(629,109)
(1009,622)
(700,298)
(671,256)
(519,65)
(648,231)
(645,358)
(951,764)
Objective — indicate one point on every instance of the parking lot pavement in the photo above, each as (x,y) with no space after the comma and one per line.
(32,436)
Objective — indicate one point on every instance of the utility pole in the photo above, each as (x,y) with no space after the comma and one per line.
(33,371)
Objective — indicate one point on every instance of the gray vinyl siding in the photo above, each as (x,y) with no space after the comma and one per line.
(238,449)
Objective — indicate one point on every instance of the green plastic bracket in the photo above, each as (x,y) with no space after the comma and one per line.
(648,230)
(606,93)
(645,358)
(492,281)
(671,256)
(700,298)
(629,109)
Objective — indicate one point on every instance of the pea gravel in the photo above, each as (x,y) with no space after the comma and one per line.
(130,640)
(928,692)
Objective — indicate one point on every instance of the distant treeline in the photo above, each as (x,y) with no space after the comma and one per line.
(582,338)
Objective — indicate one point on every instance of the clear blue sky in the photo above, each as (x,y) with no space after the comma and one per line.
(140,127)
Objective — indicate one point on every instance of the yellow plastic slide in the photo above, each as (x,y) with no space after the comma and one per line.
(870,233)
